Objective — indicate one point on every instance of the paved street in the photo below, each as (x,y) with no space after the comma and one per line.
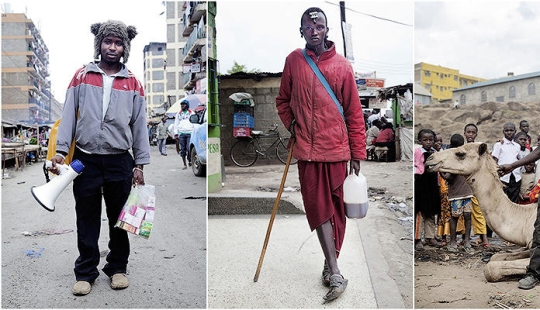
(376,256)
(166,271)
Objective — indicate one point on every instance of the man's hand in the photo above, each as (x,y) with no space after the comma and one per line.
(56,160)
(504,169)
(138,175)
(355,166)
(291,128)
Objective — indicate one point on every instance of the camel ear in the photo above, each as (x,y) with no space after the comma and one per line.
(482,149)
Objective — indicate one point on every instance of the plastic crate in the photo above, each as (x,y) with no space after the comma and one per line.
(241,132)
(243,120)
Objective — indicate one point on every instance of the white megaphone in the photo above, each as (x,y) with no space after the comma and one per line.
(46,194)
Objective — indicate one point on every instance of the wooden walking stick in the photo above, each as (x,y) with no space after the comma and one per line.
(274,211)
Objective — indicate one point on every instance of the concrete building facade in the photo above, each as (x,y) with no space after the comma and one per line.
(264,87)
(155,59)
(519,88)
(441,81)
(26,88)
(186,49)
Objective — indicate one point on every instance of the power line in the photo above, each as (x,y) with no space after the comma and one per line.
(370,15)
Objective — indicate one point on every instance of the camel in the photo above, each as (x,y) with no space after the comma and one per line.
(511,221)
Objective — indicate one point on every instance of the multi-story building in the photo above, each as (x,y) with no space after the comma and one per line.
(26,89)
(155,60)
(186,49)
(441,81)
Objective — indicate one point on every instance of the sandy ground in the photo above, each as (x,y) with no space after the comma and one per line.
(448,280)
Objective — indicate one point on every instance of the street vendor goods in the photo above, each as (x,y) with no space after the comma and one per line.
(137,215)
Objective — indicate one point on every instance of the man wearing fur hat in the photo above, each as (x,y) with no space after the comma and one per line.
(104,114)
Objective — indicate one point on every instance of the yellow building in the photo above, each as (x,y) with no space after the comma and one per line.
(441,81)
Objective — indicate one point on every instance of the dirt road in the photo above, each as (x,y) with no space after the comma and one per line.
(447,280)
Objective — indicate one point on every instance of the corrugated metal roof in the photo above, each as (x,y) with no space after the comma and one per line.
(420,90)
(501,80)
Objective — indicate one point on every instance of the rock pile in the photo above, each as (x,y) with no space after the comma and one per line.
(489,117)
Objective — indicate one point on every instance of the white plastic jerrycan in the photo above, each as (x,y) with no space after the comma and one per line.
(355,195)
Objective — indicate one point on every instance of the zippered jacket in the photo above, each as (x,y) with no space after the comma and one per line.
(321,133)
(122,129)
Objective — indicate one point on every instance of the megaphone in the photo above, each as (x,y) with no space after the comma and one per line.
(46,194)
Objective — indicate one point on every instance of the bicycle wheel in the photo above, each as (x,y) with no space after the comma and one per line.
(243,153)
(282,152)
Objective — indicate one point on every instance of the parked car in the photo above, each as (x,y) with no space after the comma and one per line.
(197,143)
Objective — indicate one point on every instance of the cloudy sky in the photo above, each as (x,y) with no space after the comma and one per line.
(482,39)
(65,28)
(260,35)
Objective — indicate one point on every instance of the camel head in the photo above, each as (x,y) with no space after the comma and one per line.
(464,160)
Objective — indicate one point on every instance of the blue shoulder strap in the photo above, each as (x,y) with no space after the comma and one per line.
(323,81)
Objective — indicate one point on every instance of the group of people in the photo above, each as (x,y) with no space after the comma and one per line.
(445,205)
(380,134)
(181,130)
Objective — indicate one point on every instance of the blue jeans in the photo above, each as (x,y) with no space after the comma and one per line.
(183,139)
(162,146)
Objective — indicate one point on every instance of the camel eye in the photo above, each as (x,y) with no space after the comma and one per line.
(460,155)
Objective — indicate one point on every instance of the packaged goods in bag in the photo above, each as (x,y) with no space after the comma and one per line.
(137,215)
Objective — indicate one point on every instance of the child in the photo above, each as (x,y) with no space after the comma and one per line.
(527,184)
(521,139)
(470,131)
(427,201)
(459,195)
(507,152)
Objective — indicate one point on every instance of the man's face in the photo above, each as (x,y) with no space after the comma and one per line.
(524,127)
(314,30)
(470,134)
(112,49)
(184,106)
(509,131)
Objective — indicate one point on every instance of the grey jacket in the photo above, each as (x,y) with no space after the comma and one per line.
(124,125)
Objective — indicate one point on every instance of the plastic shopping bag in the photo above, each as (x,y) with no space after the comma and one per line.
(137,215)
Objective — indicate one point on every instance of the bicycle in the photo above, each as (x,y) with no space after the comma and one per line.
(245,152)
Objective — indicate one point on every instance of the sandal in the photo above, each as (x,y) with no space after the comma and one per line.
(326,274)
(418,246)
(468,249)
(338,284)
(434,243)
(452,248)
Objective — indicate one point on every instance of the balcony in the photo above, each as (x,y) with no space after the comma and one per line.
(194,16)
(196,40)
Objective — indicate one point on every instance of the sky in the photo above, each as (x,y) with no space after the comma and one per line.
(260,35)
(481,39)
(65,29)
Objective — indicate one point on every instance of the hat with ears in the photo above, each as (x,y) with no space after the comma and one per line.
(113,28)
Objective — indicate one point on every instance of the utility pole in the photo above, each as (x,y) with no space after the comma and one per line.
(342,10)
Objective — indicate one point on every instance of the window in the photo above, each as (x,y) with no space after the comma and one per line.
(427,73)
(512,92)
(483,97)
(532,89)
(499,99)
(455,77)
(462,100)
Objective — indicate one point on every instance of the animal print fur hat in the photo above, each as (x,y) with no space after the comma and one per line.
(113,28)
